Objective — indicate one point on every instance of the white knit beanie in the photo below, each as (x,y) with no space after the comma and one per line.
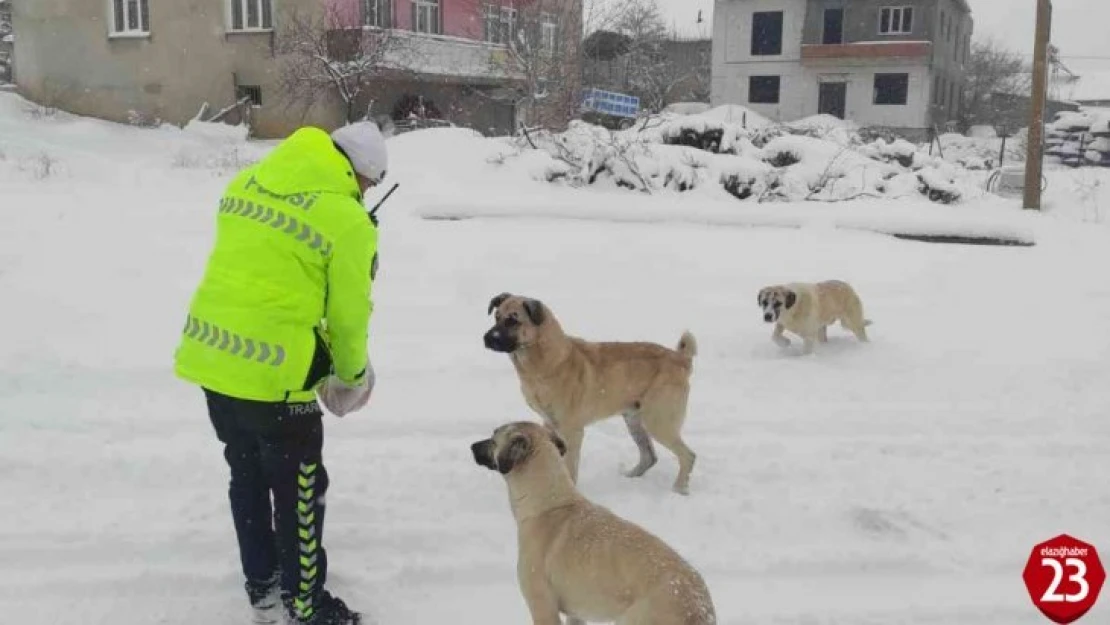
(365,147)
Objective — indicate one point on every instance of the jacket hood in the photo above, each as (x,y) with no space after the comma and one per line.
(306,162)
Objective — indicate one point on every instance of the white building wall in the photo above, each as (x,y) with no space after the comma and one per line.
(861,107)
(733,62)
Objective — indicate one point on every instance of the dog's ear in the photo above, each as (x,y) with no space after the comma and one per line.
(534,308)
(791,299)
(560,444)
(759,296)
(513,453)
(497,301)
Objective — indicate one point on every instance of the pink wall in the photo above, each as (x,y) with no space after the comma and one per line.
(460,18)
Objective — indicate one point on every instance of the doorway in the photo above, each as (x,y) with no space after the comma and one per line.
(832,99)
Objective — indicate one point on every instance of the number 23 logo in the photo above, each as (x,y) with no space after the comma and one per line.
(1052,595)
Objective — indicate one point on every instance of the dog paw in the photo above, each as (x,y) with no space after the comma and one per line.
(681,489)
(633,473)
(782,342)
(637,471)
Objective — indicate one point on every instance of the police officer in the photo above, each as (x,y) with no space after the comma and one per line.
(279,321)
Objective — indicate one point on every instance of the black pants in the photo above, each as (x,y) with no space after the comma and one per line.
(274,448)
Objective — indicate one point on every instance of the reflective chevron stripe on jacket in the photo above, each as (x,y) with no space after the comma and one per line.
(234,344)
(286,224)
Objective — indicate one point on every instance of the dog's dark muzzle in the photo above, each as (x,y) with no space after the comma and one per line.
(768,317)
(483,454)
(499,340)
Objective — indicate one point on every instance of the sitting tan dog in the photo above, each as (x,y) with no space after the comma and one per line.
(808,309)
(572,383)
(578,558)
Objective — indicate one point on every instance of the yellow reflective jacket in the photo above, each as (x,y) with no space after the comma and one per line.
(285,297)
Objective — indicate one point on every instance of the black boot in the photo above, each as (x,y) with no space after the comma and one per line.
(327,610)
(265,598)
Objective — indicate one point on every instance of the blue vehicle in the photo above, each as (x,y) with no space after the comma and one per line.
(613,110)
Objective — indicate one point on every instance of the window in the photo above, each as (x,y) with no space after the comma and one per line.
(253,94)
(896,21)
(549,33)
(425,16)
(376,13)
(936,90)
(766,33)
(834,27)
(499,24)
(764,89)
(131,17)
(491,23)
(508,24)
(943,24)
(251,15)
(892,89)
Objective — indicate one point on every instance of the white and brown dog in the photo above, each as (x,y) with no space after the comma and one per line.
(808,309)
(573,383)
(577,558)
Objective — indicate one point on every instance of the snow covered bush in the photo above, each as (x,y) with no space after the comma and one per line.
(826,128)
(703,132)
(142,120)
(899,151)
(1080,138)
(214,146)
(38,166)
(816,159)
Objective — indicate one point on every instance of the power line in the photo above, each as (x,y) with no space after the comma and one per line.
(1085,58)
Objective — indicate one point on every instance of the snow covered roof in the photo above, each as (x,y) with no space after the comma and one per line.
(1091,85)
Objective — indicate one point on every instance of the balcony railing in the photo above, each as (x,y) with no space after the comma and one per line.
(427,54)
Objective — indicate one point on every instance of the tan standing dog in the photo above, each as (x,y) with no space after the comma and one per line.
(573,383)
(807,309)
(578,558)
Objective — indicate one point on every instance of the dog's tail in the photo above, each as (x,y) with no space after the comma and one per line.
(687,346)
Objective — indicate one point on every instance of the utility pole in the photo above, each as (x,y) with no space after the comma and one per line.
(1034,157)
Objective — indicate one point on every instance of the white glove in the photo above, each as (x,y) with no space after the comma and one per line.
(340,398)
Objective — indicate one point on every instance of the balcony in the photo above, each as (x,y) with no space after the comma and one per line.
(866,52)
(451,58)
(407,54)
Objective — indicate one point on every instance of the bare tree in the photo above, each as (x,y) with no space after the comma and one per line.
(604,15)
(538,49)
(992,69)
(656,84)
(331,52)
(634,53)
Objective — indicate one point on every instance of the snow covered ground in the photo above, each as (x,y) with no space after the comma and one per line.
(899,482)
